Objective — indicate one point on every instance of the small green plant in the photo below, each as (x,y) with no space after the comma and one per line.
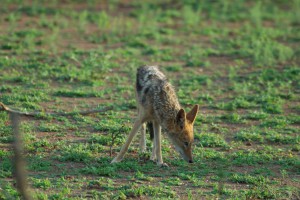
(196,58)
(232,118)
(237,103)
(76,153)
(211,140)
(275,123)
(266,52)
(41,183)
(257,115)
(105,183)
(256,15)
(248,179)
(8,191)
(173,181)
(191,17)
(140,176)
(274,137)
(49,127)
(39,163)
(250,136)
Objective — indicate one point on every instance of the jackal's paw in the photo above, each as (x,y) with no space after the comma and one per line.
(163,165)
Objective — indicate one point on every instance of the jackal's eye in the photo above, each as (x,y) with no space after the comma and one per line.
(186,144)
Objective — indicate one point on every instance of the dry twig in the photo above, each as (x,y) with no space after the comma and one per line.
(19,163)
(32,114)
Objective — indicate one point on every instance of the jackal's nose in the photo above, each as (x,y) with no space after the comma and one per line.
(190,161)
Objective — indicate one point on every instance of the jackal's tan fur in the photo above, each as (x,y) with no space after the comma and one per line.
(158,104)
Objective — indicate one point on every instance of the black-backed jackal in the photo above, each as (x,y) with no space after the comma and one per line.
(158,104)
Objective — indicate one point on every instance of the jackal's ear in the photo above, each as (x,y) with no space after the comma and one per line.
(191,116)
(180,118)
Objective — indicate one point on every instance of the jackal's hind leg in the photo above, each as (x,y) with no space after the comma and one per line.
(153,155)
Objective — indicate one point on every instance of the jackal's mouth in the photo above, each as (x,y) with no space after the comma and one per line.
(182,154)
(185,157)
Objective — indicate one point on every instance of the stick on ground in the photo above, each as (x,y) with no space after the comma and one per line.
(3,107)
(19,163)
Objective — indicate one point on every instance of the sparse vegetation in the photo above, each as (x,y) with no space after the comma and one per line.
(239,60)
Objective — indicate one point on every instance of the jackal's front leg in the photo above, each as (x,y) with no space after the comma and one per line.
(157,145)
(143,138)
(135,129)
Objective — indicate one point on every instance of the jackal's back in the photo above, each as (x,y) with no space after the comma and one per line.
(155,92)
(148,78)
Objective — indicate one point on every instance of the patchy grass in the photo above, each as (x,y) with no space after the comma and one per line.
(239,60)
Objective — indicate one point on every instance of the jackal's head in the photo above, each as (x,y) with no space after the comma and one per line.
(183,134)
